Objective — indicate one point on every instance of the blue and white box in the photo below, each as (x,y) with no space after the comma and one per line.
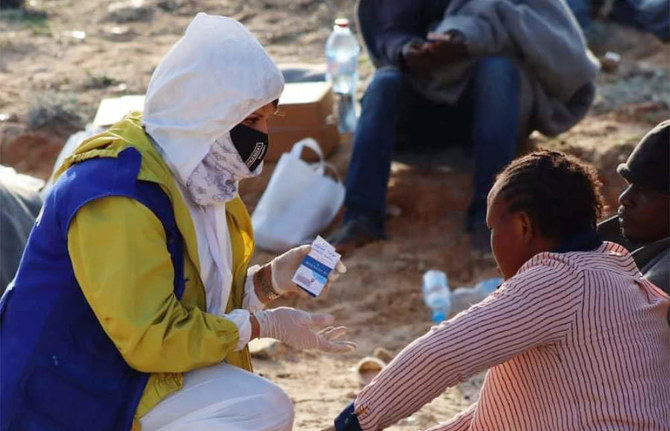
(312,274)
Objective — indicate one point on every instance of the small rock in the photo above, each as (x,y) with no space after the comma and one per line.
(367,368)
(78,35)
(383,354)
(394,210)
(170,5)
(610,62)
(119,33)
(129,10)
(121,88)
(263,348)
(8,118)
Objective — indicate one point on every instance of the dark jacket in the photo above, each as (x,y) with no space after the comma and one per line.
(540,36)
(387,25)
(653,259)
(20,203)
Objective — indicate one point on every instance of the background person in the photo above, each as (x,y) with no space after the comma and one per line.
(651,16)
(642,224)
(486,81)
(20,204)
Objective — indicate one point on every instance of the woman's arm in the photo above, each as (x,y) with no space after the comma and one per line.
(120,260)
(460,422)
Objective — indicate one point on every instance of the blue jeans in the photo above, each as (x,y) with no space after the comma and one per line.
(652,16)
(486,118)
(581,9)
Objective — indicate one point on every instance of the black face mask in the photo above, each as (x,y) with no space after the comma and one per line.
(251,144)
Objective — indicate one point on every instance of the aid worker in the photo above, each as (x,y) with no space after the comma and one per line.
(134,303)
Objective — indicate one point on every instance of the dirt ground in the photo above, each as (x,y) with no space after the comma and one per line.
(58,60)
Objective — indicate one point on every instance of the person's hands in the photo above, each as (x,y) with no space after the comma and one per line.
(423,57)
(416,58)
(284,267)
(303,330)
(446,51)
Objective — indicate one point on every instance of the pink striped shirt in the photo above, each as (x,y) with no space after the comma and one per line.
(574,341)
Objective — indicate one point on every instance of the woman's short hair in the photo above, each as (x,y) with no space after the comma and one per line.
(559,192)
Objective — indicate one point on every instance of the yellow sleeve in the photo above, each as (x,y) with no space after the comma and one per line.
(121,262)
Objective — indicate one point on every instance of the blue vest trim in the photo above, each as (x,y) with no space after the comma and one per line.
(59,369)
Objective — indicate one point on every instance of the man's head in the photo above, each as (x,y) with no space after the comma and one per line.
(538,202)
(644,211)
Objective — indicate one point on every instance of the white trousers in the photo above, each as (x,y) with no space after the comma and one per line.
(222,397)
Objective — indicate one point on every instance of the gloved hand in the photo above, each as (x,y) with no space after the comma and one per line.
(298,329)
(285,266)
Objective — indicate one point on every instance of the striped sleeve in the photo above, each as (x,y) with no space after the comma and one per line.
(537,306)
(461,422)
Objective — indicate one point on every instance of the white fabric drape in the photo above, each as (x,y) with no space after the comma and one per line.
(211,80)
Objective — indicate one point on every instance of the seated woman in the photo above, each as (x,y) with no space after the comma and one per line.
(575,338)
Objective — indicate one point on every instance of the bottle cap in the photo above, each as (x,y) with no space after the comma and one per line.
(342,22)
(439,316)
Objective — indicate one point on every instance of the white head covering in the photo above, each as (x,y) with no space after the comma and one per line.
(210,81)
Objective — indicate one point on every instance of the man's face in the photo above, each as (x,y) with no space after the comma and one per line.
(644,214)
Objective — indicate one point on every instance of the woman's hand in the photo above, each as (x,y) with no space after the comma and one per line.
(303,330)
(282,269)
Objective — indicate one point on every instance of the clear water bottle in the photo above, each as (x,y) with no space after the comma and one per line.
(465,297)
(486,287)
(342,70)
(436,294)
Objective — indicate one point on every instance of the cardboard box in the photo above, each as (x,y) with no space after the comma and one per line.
(113,109)
(306,110)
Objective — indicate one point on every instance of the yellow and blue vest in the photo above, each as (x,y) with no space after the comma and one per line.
(59,368)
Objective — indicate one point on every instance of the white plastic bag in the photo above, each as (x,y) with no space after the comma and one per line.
(299,201)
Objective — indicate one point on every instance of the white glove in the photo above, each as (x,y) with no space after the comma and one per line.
(297,328)
(285,266)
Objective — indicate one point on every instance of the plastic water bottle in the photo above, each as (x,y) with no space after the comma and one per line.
(342,70)
(486,287)
(465,297)
(436,294)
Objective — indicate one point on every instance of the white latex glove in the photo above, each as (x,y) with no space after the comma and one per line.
(298,329)
(285,266)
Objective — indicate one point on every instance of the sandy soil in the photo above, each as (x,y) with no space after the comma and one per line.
(52,77)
